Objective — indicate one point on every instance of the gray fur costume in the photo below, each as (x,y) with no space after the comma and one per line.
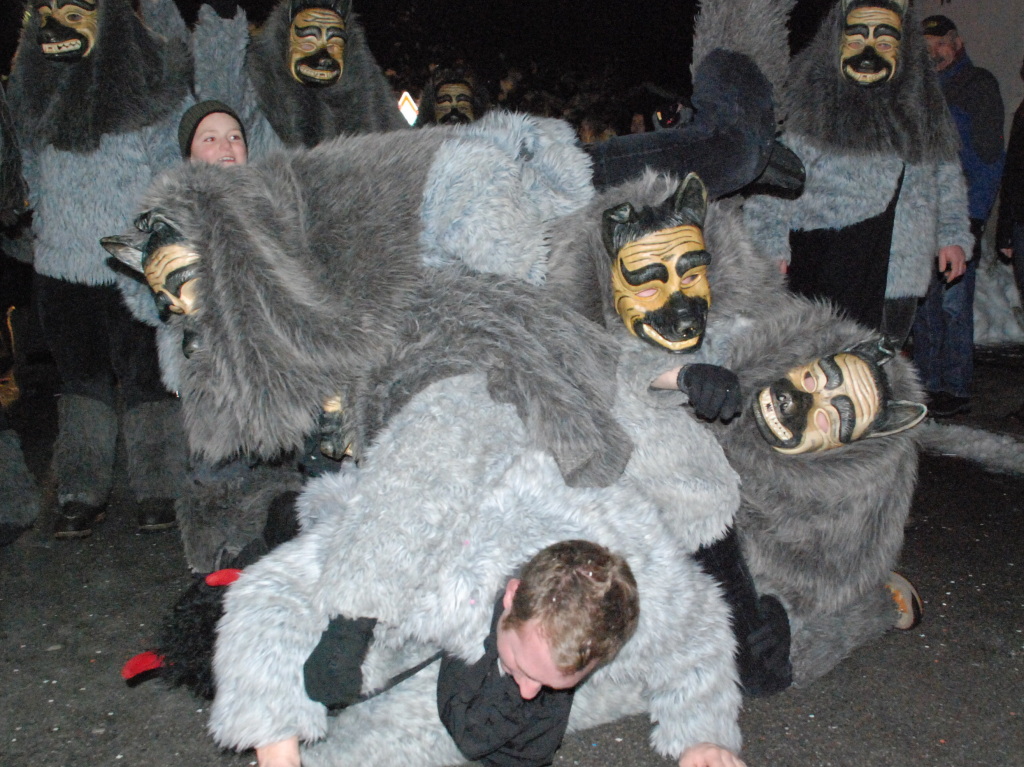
(251,74)
(93,133)
(821,532)
(19,497)
(277,253)
(854,143)
(424,541)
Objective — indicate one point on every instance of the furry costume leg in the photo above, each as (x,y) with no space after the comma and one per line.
(19,496)
(83,455)
(821,641)
(155,449)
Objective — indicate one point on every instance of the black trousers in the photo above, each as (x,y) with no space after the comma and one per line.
(97,345)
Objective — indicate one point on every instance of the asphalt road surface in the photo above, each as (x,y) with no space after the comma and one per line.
(949,693)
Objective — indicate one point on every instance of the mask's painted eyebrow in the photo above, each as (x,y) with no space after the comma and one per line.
(833,373)
(856,29)
(888,30)
(847,417)
(647,273)
(692,260)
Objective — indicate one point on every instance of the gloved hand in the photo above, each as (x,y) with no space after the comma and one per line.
(783,176)
(714,391)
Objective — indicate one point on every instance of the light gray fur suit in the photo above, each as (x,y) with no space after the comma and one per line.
(854,143)
(522,454)
(93,134)
(424,540)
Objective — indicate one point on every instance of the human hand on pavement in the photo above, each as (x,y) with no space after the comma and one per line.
(284,753)
(709,755)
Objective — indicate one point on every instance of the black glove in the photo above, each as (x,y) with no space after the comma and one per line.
(333,671)
(714,391)
(783,176)
(333,436)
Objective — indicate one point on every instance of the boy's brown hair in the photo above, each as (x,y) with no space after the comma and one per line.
(585,600)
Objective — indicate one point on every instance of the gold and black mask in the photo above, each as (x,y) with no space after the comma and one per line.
(453,104)
(67,29)
(870,48)
(166,259)
(659,270)
(317,46)
(831,402)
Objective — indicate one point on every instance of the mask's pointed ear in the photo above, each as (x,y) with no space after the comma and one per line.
(691,199)
(611,220)
(900,415)
(124,251)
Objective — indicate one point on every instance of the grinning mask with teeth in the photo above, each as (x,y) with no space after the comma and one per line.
(833,401)
(659,268)
(316,43)
(67,29)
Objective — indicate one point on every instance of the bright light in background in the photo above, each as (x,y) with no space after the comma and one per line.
(407,106)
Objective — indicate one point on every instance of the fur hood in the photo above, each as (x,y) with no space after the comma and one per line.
(906,116)
(132,79)
(360,102)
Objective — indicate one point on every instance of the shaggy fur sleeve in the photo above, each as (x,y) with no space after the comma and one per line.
(693,694)
(272,621)
(163,17)
(954,228)
(218,49)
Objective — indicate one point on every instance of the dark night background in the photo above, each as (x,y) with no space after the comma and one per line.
(640,41)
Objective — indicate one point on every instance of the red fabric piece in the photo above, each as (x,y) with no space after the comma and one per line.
(144,661)
(223,577)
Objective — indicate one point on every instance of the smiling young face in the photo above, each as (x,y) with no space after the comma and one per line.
(525,654)
(218,140)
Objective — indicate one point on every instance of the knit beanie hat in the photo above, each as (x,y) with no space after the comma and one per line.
(938,25)
(195,115)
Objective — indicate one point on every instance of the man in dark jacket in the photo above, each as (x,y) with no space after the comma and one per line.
(944,327)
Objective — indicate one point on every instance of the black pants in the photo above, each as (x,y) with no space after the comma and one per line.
(97,344)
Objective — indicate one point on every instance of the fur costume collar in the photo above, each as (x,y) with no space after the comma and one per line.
(906,116)
(133,78)
(360,102)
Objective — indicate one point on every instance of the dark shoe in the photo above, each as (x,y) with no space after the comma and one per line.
(944,405)
(75,520)
(156,514)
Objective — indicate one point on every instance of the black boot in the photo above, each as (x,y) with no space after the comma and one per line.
(76,519)
(156,514)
